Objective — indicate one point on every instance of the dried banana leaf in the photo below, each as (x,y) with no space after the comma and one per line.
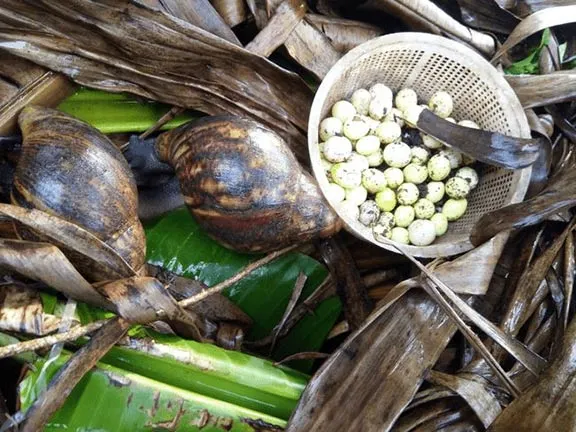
(551,404)
(233,12)
(344,34)
(46,263)
(477,396)
(540,168)
(132,48)
(540,90)
(487,15)
(278,29)
(557,196)
(199,13)
(426,16)
(21,310)
(47,90)
(7,90)
(536,22)
(367,383)
(17,70)
(523,8)
(490,147)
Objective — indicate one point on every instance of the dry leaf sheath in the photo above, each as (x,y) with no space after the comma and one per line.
(126,47)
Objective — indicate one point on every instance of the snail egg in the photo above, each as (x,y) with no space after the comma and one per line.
(379,108)
(388,132)
(326,165)
(435,191)
(400,235)
(412,113)
(397,155)
(441,104)
(404,215)
(380,91)
(457,188)
(361,100)
(415,173)
(372,124)
(420,155)
(438,167)
(329,127)
(386,200)
(373,180)
(357,195)
(395,115)
(430,142)
(406,98)
(368,145)
(369,213)
(381,233)
(337,149)
(394,177)
(422,232)
(454,156)
(386,219)
(359,161)
(375,159)
(407,193)
(468,174)
(355,128)
(440,223)
(346,175)
(453,209)
(424,209)
(350,211)
(335,193)
(343,110)
(469,124)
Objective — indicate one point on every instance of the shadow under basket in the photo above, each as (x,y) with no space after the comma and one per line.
(427,64)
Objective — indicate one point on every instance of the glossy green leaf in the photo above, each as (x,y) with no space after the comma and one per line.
(118,113)
(114,400)
(177,243)
(530,65)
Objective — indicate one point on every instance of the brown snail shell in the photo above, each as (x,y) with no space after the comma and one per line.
(244,186)
(70,170)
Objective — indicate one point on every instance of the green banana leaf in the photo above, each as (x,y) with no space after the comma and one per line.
(177,243)
(530,65)
(114,400)
(117,112)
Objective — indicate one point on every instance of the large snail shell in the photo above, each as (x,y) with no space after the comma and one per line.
(69,169)
(244,186)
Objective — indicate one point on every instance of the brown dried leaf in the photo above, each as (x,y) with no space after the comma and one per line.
(344,34)
(47,90)
(477,396)
(233,12)
(72,237)
(536,22)
(278,29)
(487,15)
(551,404)
(46,263)
(21,310)
(426,16)
(540,90)
(7,90)
(489,147)
(523,8)
(199,13)
(131,48)
(559,194)
(18,70)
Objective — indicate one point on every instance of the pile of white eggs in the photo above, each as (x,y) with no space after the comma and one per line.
(403,184)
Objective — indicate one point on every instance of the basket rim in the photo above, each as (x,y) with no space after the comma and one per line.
(419,40)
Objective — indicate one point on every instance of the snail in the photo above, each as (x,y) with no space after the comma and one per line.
(241,183)
(69,169)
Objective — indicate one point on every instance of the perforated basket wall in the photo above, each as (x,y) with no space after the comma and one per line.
(429,63)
